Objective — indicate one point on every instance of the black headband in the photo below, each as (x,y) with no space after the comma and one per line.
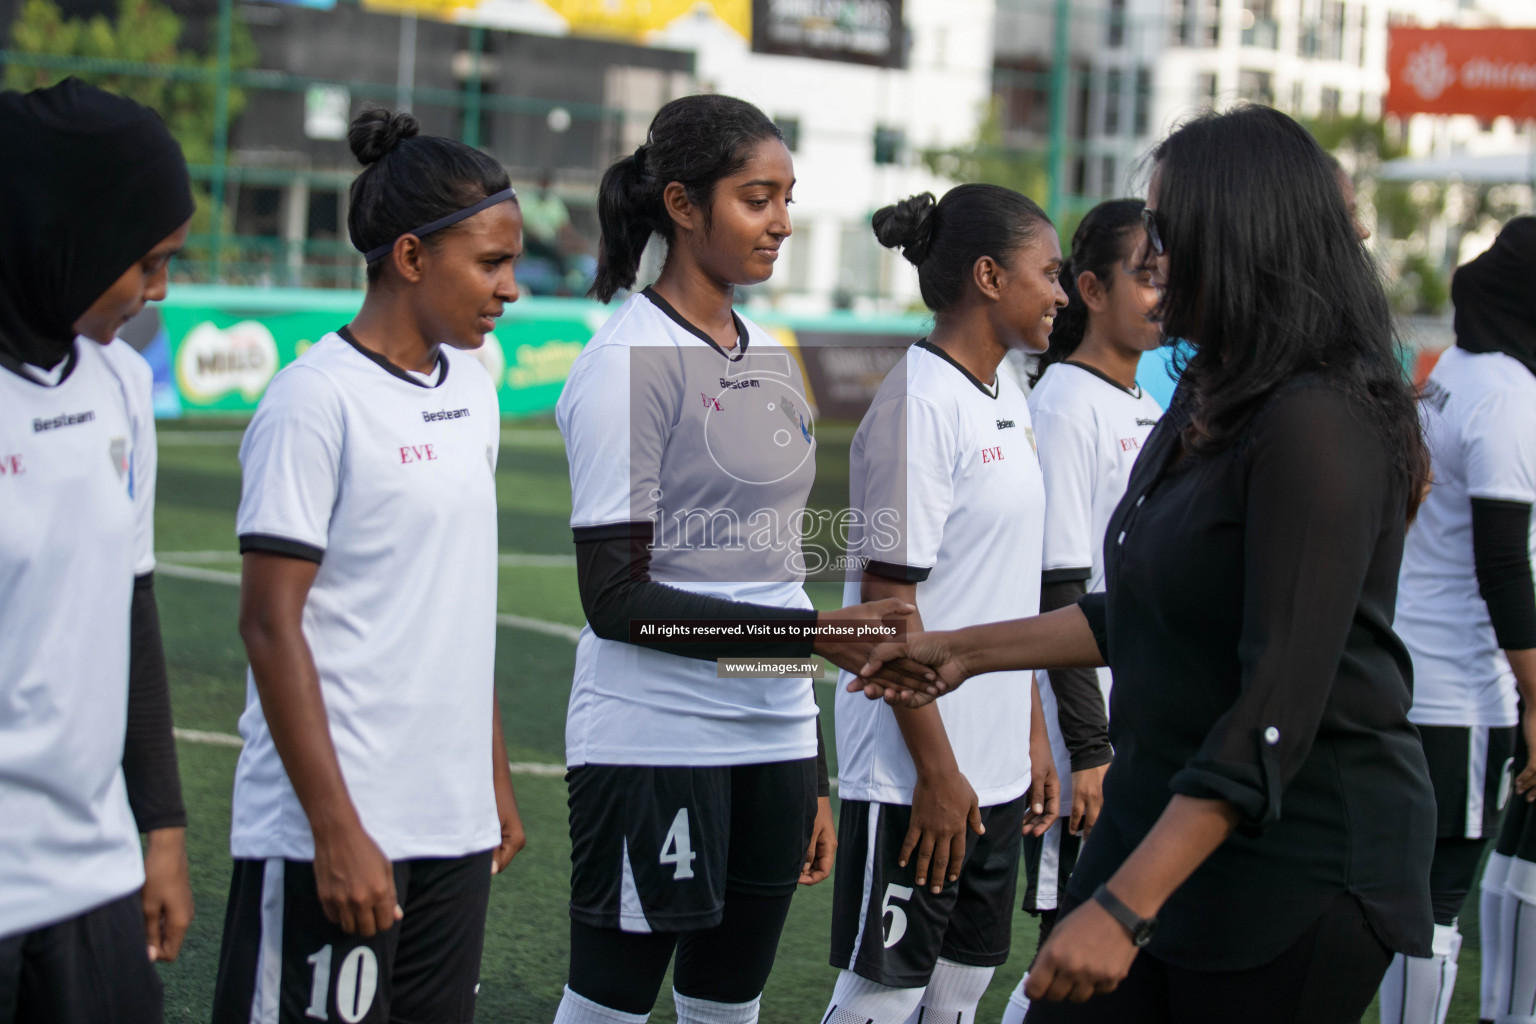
(443,222)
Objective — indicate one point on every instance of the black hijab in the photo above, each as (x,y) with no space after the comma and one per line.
(1495,296)
(89,183)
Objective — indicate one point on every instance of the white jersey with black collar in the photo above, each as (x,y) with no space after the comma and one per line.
(1479,416)
(1090,429)
(713,452)
(77,484)
(388,483)
(946,492)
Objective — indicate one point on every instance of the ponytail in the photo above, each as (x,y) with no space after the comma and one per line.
(1106,237)
(695,141)
(627,219)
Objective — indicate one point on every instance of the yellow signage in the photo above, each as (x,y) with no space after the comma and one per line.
(635,20)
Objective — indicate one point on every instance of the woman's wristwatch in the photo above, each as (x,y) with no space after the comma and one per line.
(1140,928)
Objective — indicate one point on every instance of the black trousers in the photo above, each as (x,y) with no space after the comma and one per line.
(90,969)
(1327,976)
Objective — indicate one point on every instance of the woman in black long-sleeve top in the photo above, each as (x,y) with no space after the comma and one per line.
(1268,820)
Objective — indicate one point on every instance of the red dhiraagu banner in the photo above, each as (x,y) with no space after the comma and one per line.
(1485,72)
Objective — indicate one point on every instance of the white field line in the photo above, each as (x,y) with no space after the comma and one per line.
(212,739)
(557,629)
(507,560)
(232,579)
(224,739)
(526,437)
(562,630)
(192,438)
(192,572)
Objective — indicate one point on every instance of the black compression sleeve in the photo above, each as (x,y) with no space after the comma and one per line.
(823,777)
(613,574)
(1502,554)
(149,748)
(1079,702)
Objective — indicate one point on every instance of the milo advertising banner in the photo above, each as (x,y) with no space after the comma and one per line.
(213,349)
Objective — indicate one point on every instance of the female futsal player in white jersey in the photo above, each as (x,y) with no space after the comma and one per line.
(1091,418)
(1467,614)
(692,798)
(950,511)
(373,800)
(96,202)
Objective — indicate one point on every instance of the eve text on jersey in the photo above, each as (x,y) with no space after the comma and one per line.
(713,452)
(341,466)
(956,506)
(77,483)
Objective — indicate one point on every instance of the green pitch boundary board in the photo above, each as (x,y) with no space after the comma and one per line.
(225,343)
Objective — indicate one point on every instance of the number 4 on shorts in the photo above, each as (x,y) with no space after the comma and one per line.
(677,850)
(898,925)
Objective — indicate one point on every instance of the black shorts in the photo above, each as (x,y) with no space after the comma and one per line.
(92,967)
(1048,863)
(282,962)
(1517,834)
(887,929)
(654,849)
(1469,768)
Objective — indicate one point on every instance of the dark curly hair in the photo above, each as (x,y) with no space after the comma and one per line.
(410,179)
(1106,237)
(696,141)
(944,239)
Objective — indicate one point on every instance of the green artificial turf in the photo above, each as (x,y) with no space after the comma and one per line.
(526,944)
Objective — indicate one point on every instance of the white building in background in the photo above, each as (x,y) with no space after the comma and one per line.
(1141,66)
(857,131)
(835,111)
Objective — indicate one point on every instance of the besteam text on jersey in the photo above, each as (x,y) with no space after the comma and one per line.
(443,414)
(68,419)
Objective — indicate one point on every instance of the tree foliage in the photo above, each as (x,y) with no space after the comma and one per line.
(987,159)
(143,32)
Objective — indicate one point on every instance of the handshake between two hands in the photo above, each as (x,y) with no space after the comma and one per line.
(911,672)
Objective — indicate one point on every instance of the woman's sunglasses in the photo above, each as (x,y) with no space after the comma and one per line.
(1152,222)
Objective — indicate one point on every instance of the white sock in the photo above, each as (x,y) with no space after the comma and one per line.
(1417,989)
(704,1011)
(952,994)
(1490,933)
(1018,1004)
(1517,958)
(857,1000)
(575,1009)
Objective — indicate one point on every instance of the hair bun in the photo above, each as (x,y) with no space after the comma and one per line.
(375,131)
(908,224)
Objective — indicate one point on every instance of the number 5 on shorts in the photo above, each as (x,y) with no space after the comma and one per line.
(677,849)
(898,925)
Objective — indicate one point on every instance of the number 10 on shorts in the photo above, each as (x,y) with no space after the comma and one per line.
(898,924)
(677,849)
(356,984)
